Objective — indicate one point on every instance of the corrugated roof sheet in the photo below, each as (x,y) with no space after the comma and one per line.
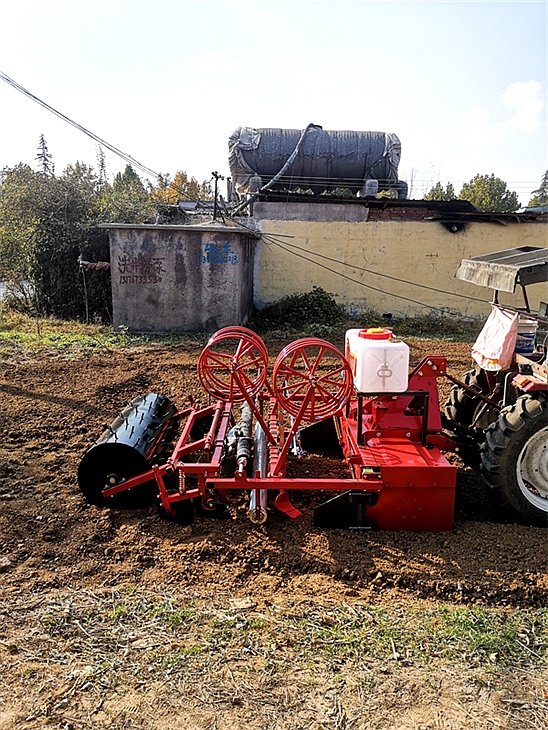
(504,270)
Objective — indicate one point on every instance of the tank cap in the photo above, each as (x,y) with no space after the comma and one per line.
(376,333)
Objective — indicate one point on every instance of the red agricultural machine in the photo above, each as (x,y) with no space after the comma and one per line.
(397,477)
(385,424)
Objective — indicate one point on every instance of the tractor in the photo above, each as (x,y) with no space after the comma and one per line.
(499,417)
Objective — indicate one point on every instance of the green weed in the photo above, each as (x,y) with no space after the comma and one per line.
(179,659)
(172,617)
(466,635)
(318,314)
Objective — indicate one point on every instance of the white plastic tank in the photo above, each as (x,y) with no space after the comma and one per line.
(379,361)
(525,340)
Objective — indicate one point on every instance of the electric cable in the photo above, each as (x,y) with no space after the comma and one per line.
(123,155)
(521,185)
(355,281)
(524,185)
(269,236)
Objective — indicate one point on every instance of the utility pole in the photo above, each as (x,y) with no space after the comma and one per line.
(216,176)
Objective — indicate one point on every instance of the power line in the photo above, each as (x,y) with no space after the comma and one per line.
(79,127)
(273,240)
(355,281)
(269,238)
(375,273)
(525,184)
(123,155)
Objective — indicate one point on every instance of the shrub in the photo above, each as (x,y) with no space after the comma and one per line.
(316,307)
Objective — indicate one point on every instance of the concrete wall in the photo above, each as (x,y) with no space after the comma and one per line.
(421,252)
(180,278)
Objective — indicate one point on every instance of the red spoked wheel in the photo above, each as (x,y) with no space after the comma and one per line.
(314,371)
(233,362)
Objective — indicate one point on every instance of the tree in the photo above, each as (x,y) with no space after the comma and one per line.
(101,165)
(169,192)
(49,223)
(44,157)
(21,193)
(540,197)
(46,224)
(127,200)
(438,192)
(489,194)
(67,230)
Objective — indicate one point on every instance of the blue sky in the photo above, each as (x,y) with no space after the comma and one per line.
(462,84)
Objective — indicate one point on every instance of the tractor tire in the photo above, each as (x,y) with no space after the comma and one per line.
(459,412)
(514,457)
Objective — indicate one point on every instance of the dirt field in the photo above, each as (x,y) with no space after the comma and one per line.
(118,620)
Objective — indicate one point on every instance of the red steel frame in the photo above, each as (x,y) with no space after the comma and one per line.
(391,444)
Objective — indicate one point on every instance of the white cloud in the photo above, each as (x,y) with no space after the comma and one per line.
(526,100)
(478,127)
(482,128)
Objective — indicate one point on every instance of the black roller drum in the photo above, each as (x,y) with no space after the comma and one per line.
(126,449)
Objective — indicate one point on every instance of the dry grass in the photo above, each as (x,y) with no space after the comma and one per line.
(128,657)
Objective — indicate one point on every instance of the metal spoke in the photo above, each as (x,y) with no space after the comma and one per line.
(319,357)
(296,384)
(218,371)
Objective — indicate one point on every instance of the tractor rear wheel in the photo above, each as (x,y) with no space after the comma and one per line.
(461,410)
(514,457)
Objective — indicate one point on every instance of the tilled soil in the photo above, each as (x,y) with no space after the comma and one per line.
(53,405)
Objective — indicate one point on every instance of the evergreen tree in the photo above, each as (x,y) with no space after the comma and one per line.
(488,193)
(438,192)
(101,165)
(540,197)
(44,158)
(127,201)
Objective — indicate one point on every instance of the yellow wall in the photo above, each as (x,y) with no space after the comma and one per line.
(424,253)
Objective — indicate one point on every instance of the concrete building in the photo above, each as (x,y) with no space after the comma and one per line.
(176,278)
(383,255)
(388,256)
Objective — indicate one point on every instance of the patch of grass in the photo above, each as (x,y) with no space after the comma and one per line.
(313,314)
(478,636)
(441,326)
(117,612)
(127,634)
(461,634)
(179,659)
(22,332)
(173,617)
(481,635)
(437,327)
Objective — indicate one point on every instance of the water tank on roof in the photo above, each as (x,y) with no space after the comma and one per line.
(326,160)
